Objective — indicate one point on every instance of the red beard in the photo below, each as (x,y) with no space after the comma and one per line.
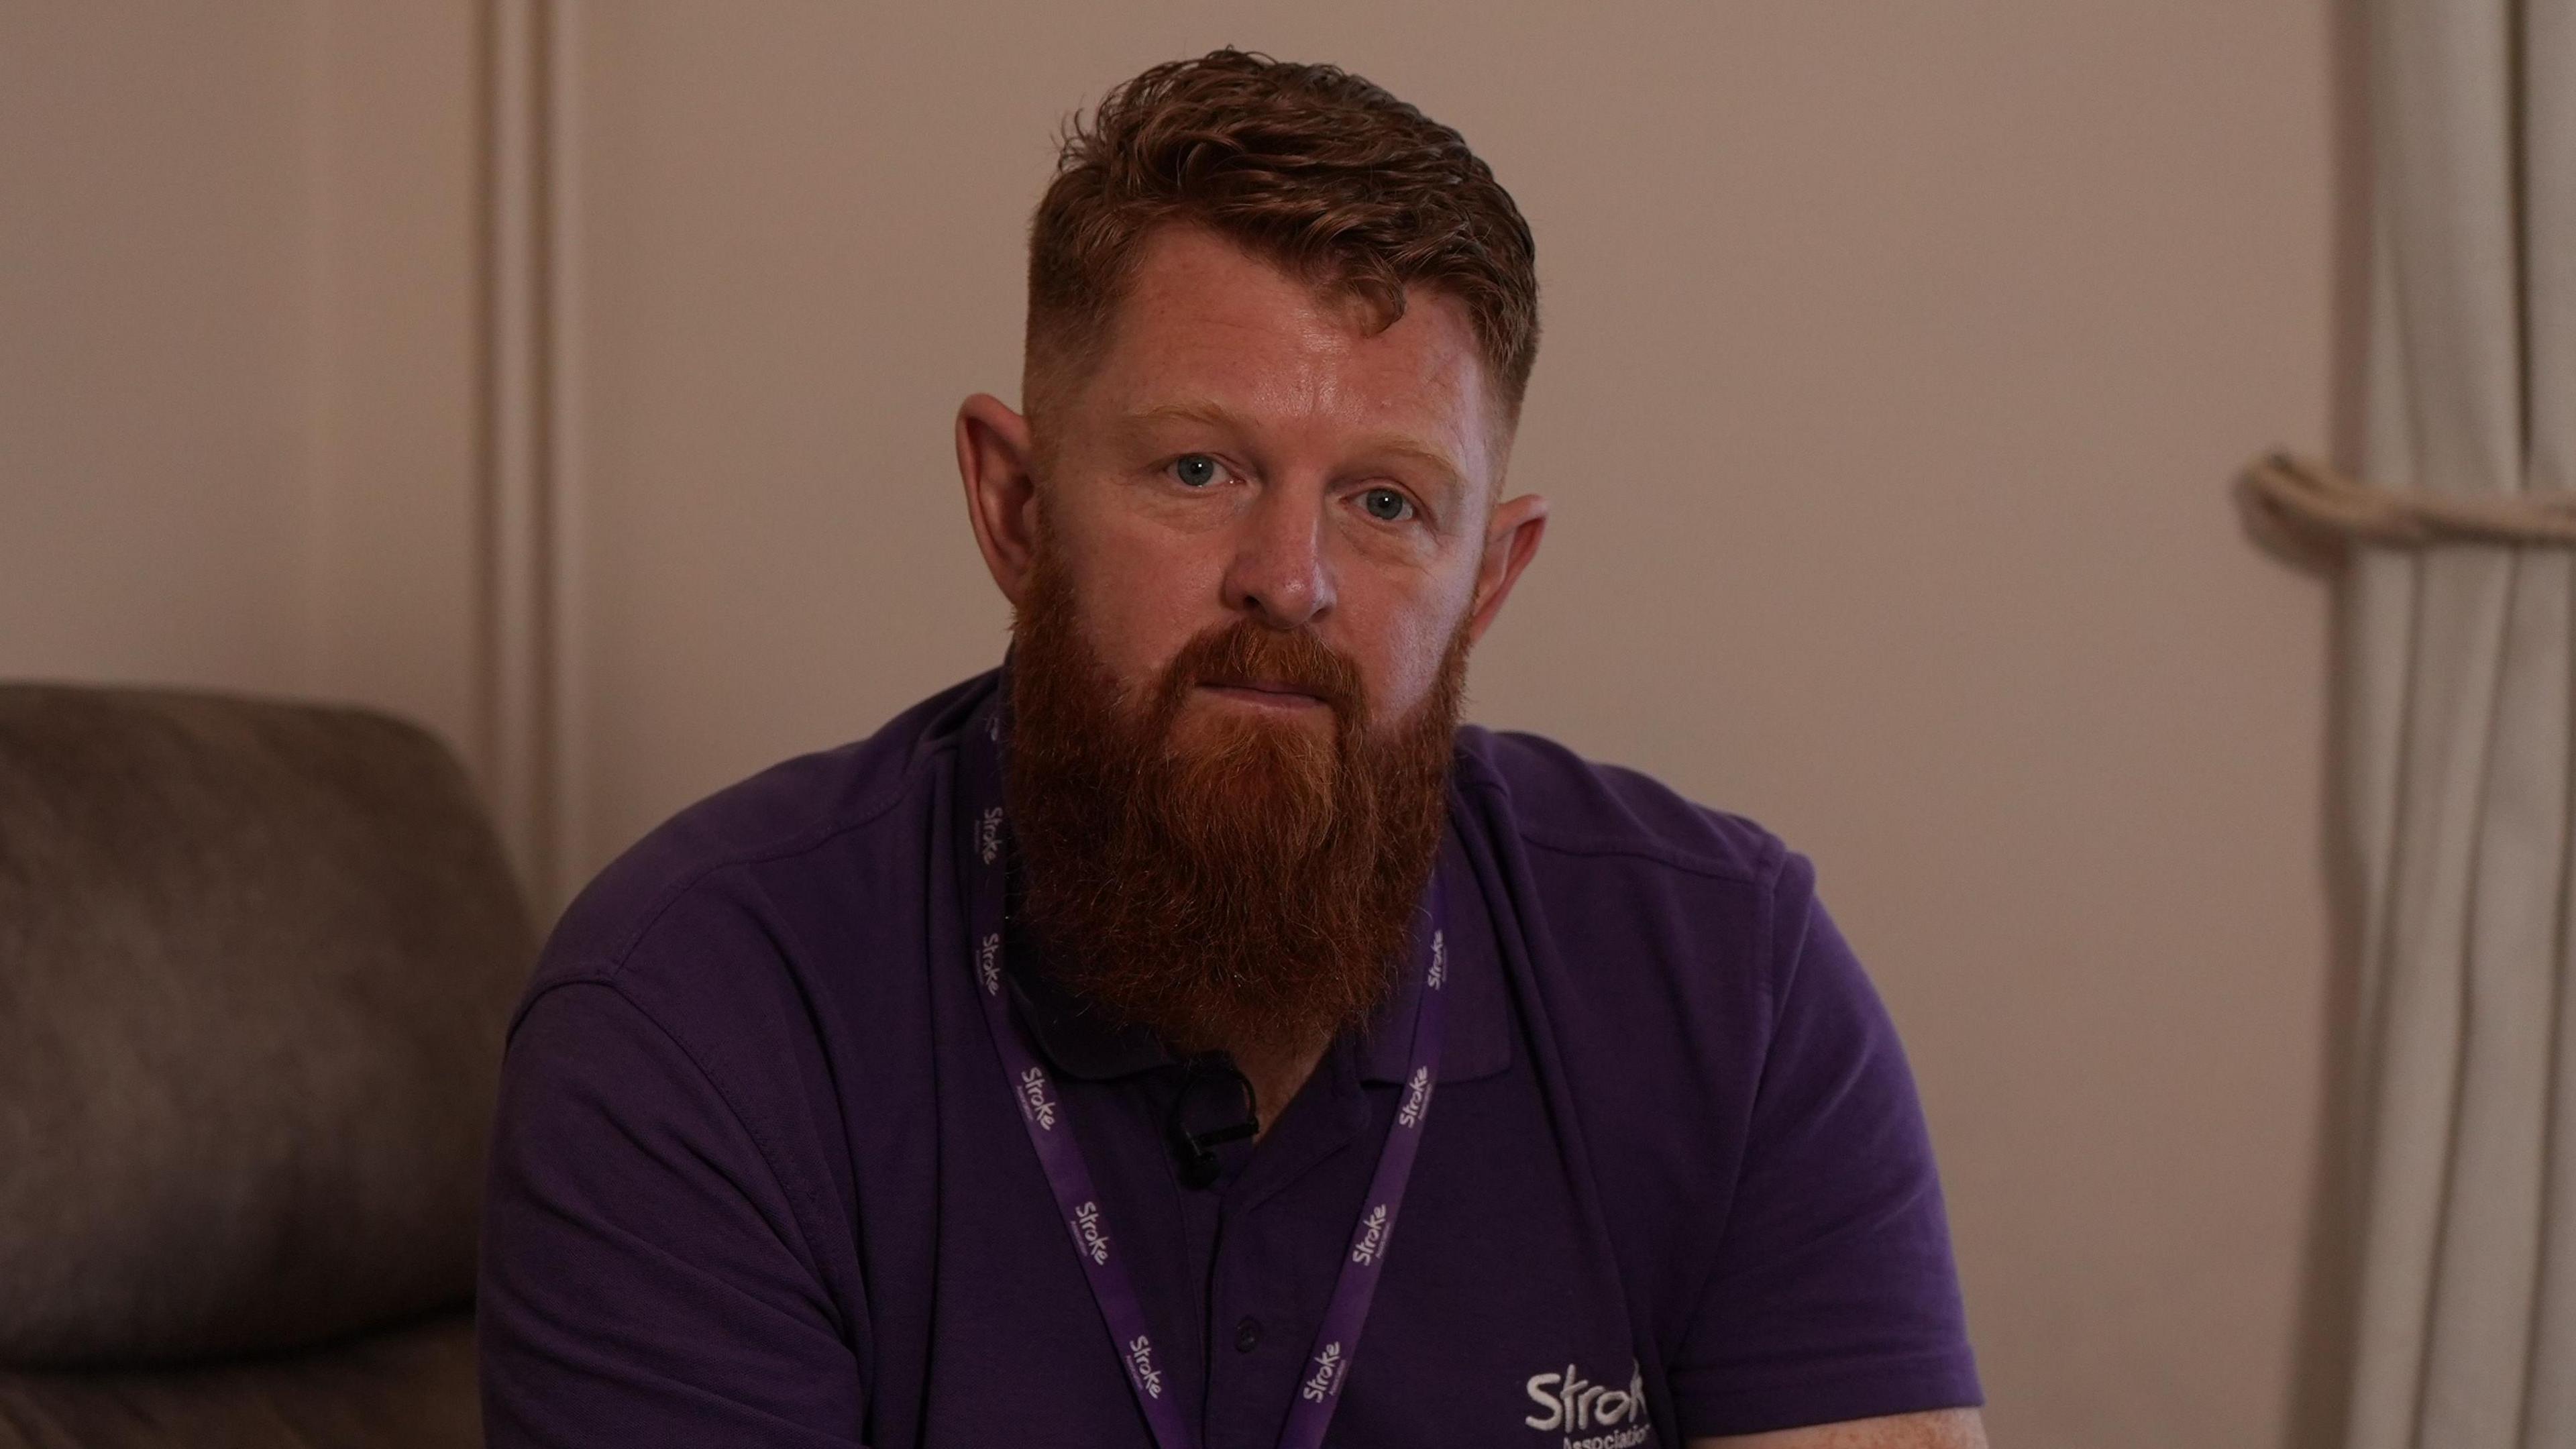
(1252,890)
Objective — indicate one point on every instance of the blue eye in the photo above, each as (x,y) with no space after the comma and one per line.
(1386,505)
(1198,470)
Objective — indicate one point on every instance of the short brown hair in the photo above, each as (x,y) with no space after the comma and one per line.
(1308,165)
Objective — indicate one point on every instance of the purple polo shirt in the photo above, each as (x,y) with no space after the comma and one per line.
(758,1177)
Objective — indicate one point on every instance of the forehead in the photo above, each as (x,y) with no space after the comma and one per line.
(1202,320)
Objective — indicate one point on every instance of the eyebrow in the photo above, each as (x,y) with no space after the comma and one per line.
(1215,415)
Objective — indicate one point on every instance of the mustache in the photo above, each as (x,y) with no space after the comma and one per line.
(1246,652)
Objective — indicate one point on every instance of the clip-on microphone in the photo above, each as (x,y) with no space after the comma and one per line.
(1197,1150)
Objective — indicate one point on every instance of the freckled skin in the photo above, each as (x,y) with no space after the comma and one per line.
(1235,450)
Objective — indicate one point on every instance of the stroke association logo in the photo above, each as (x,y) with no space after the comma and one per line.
(1439,959)
(1326,1380)
(1590,1415)
(1034,1099)
(1372,1239)
(1088,1232)
(1417,1097)
(1140,1357)
(988,963)
(988,834)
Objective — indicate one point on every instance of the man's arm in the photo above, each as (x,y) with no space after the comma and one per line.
(644,1278)
(1939,1429)
(1831,1316)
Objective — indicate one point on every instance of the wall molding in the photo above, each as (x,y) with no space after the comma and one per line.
(526,596)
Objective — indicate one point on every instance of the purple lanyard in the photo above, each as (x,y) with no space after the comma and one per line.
(1337,1341)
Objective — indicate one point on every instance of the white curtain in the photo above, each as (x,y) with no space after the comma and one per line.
(2459,748)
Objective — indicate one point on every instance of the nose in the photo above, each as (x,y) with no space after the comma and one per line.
(1278,572)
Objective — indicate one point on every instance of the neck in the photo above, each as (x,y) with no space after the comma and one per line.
(1277,1074)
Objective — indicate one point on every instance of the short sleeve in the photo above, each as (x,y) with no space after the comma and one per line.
(1834,1296)
(643,1279)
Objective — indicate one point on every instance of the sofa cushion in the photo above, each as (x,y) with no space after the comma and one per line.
(410,1387)
(255,962)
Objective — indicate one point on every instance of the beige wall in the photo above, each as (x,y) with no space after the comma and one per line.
(238,349)
(153,379)
(1896,360)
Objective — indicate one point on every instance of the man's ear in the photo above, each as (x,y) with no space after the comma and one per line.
(1511,541)
(994,462)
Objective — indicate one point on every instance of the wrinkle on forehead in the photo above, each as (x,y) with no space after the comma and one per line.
(1205,319)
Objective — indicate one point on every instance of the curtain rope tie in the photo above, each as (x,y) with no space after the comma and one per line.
(2312,499)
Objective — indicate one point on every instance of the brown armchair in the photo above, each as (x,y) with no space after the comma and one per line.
(255,964)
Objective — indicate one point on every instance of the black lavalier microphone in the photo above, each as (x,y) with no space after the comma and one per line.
(1211,1090)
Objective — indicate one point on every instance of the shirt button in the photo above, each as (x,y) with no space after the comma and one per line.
(1247,1335)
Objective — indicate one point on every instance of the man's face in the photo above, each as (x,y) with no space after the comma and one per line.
(1243,449)
(1244,578)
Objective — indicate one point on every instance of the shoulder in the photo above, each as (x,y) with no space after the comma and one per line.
(717,981)
(707,881)
(1558,803)
(1734,1075)
(1657,927)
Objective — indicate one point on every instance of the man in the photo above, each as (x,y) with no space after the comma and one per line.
(1188,1034)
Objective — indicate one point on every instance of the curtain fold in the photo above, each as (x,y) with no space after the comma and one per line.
(2457,751)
